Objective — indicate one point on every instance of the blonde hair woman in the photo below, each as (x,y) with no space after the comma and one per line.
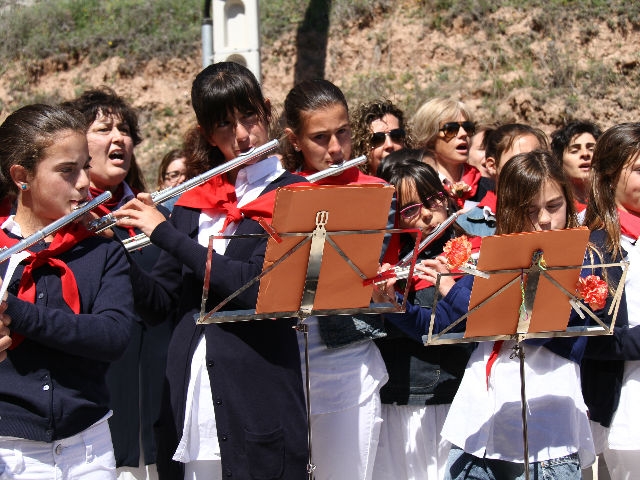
(443,128)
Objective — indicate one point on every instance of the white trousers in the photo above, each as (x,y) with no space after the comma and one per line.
(141,472)
(623,464)
(344,443)
(411,446)
(87,455)
(203,470)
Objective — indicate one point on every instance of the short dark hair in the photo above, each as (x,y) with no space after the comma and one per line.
(500,139)
(561,138)
(221,88)
(105,100)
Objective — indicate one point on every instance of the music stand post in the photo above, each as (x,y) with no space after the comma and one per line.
(526,283)
(307,246)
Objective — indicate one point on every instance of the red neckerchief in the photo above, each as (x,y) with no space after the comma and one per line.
(63,240)
(489,200)
(219,195)
(110,205)
(629,224)
(350,176)
(471,176)
(493,356)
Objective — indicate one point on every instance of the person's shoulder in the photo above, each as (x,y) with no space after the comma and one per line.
(287,178)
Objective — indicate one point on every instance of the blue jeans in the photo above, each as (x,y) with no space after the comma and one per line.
(464,466)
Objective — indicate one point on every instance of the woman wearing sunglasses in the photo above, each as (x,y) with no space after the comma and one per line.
(422,381)
(443,129)
(378,130)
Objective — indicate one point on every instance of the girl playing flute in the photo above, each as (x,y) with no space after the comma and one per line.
(233,404)
(70,306)
(484,424)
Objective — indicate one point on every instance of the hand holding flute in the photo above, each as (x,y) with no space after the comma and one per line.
(140,213)
(427,270)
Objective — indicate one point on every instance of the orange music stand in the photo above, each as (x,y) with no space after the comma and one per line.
(526,288)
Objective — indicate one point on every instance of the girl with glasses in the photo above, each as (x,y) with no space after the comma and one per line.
(443,129)
(422,381)
(172,172)
(484,423)
(346,369)
(379,128)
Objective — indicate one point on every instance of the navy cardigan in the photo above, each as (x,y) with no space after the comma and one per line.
(603,364)
(254,366)
(52,385)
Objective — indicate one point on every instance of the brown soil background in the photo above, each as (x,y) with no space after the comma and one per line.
(393,55)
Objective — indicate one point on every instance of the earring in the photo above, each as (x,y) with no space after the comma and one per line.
(24,186)
(296,148)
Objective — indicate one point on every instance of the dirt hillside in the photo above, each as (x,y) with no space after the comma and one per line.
(520,72)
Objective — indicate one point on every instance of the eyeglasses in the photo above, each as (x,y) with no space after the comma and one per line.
(434,201)
(170,176)
(451,129)
(396,135)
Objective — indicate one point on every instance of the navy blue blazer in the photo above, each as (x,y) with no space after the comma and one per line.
(254,366)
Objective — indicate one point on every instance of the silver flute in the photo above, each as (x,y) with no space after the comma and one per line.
(336,169)
(402,268)
(141,240)
(53,227)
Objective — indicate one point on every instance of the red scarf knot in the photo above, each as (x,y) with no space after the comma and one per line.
(63,240)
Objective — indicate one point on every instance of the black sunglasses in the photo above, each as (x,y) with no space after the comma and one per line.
(451,129)
(396,135)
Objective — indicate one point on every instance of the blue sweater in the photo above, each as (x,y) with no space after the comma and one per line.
(52,385)
(415,322)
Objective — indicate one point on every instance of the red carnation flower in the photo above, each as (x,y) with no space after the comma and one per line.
(457,252)
(593,291)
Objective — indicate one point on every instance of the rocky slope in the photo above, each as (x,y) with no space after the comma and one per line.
(510,66)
